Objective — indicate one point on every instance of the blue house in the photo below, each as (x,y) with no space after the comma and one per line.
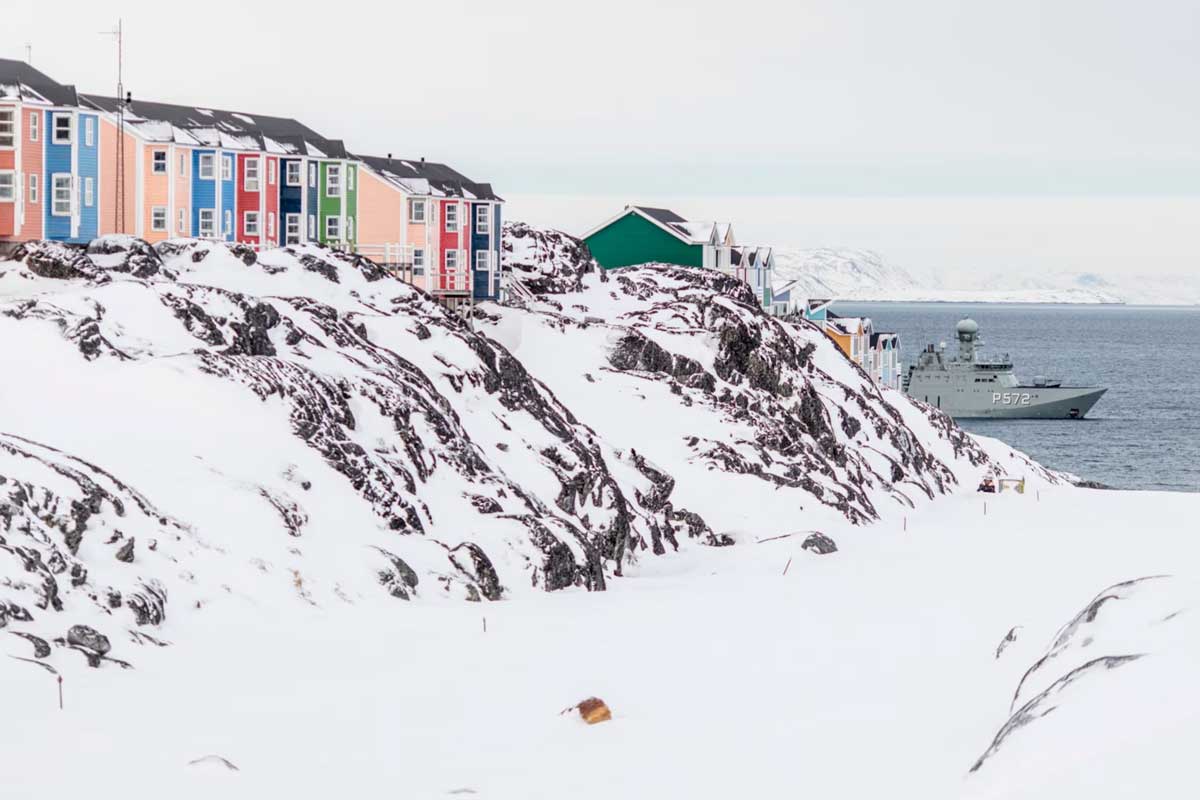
(72,157)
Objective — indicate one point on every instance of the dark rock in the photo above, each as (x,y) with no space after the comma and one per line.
(41,648)
(819,543)
(59,261)
(89,638)
(126,552)
(149,606)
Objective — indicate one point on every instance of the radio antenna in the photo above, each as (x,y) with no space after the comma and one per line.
(119,200)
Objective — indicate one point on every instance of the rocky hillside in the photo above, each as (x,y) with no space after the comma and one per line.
(196,423)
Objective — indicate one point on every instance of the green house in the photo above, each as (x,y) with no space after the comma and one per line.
(642,235)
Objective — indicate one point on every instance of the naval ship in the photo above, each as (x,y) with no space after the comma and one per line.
(971,386)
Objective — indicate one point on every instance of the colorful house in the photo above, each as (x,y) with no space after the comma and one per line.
(433,224)
(645,235)
(49,159)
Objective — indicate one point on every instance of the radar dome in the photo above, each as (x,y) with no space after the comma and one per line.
(968,326)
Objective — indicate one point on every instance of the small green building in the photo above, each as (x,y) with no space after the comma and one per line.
(642,235)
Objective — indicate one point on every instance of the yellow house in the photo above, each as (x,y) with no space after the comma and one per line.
(853,335)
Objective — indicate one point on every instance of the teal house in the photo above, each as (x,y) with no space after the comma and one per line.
(642,235)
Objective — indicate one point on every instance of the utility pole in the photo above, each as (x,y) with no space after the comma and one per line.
(29,53)
(119,183)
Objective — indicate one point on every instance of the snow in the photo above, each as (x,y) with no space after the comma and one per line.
(758,669)
(245,119)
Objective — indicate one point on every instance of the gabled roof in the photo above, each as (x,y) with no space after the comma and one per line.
(418,176)
(196,125)
(19,81)
(672,223)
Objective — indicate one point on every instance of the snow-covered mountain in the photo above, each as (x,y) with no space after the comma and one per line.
(247,500)
(866,276)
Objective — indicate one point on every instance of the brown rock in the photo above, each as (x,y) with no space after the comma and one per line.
(594,710)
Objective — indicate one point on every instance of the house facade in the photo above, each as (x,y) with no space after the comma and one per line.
(645,235)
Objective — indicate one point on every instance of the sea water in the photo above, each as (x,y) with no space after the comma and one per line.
(1143,434)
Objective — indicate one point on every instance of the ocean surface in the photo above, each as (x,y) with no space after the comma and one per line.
(1143,434)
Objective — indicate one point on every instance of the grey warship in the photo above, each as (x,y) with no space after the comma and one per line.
(970,386)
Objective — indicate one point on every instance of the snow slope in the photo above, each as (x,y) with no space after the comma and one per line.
(237,468)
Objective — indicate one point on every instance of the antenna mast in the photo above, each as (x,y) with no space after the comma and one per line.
(119,199)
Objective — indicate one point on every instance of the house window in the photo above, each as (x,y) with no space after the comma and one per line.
(271,224)
(333,229)
(8,128)
(250,222)
(451,260)
(183,164)
(483,261)
(89,191)
(8,186)
(159,162)
(35,120)
(333,180)
(226,168)
(62,195)
(294,177)
(228,226)
(271,172)
(291,222)
(89,131)
(419,260)
(181,223)
(350,179)
(33,189)
(62,128)
(207,166)
(416,211)
(312,226)
(251,176)
(451,217)
(158,218)
(312,175)
(483,219)
(350,229)
(208,223)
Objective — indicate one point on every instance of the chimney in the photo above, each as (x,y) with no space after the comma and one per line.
(389,156)
(129,98)
(422,159)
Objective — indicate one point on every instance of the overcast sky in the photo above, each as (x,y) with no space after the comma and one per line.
(703,103)
(808,96)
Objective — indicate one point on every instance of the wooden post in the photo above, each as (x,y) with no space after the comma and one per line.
(60,693)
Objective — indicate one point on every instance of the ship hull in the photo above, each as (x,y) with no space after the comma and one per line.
(1021,402)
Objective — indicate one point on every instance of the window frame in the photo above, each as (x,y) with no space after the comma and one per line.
(487,258)
(155,163)
(165,227)
(483,221)
(246,177)
(34,189)
(418,261)
(212,223)
(270,172)
(446,259)
(312,174)
(312,226)
(89,131)
(413,207)
(35,125)
(288,219)
(271,225)
(211,160)
(181,222)
(337,222)
(246,216)
(227,222)
(451,218)
(350,178)
(55,116)
(287,173)
(11,125)
(89,191)
(55,199)
(226,168)
(330,184)
(349,229)
(11,176)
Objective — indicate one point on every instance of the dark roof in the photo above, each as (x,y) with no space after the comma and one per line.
(18,72)
(735,256)
(441,177)
(282,129)
(663,215)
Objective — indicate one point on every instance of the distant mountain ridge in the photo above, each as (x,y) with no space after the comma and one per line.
(863,275)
